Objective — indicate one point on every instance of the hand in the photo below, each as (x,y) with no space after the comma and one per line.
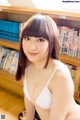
(23,116)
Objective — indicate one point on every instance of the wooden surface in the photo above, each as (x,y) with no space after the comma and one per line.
(8,81)
(9,44)
(70,60)
(10,105)
(53,13)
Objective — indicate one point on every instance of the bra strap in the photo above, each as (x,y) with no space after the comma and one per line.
(52,75)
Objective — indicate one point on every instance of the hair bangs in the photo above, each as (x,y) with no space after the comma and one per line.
(36,29)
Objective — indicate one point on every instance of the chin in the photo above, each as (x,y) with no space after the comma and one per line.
(33,60)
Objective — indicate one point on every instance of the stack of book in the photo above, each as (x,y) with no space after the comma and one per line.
(69,41)
(9,59)
(9,30)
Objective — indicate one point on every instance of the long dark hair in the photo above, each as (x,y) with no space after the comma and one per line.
(39,26)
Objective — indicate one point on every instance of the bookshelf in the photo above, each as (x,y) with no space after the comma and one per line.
(31,11)
(9,44)
(15,13)
(70,60)
(10,83)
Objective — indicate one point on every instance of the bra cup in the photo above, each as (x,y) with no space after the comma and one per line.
(25,90)
(44,99)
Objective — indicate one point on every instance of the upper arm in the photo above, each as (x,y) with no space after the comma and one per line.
(62,95)
(30,109)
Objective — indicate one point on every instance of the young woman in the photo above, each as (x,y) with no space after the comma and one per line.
(47,83)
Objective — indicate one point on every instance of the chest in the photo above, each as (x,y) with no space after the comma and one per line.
(36,82)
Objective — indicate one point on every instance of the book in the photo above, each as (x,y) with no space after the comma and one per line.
(2,51)
(14,63)
(9,59)
(78,53)
(4,59)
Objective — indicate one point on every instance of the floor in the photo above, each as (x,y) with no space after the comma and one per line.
(10,105)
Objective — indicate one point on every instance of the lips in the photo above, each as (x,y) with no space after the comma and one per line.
(33,54)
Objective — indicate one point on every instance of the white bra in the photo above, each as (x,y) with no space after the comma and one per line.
(44,98)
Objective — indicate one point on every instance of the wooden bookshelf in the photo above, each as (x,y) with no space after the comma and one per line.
(4,75)
(31,11)
(9,44)
(4,10)
(70,60)
(8,81)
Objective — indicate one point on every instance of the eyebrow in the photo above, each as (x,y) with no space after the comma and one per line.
(42,38)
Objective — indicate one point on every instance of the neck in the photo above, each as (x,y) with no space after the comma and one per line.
(38,66)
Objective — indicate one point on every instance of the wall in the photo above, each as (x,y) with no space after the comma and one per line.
(50,4)
(22,3)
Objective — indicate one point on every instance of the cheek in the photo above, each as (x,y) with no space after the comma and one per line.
(24,46)
(45,48)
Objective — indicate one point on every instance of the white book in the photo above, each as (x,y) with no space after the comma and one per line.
(70,52)
(14,62)
(21,25)
(78,53)
(2,51)
(66,38)
(9,59)
(61,36)
(15,69)
(5,57)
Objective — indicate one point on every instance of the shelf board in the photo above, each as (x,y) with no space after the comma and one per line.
(9,44)
(32,11)
(8,81)
(70,60)
(5,75)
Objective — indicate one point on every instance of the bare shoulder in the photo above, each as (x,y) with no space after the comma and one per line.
(62,79)
(62,71)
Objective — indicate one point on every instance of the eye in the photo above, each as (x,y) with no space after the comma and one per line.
(26,38)
(41,39)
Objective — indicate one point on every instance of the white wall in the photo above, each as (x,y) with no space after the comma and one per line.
(44,4)
(4,3)
(22,3)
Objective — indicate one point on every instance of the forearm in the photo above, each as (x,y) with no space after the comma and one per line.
(30,109)
(30,115)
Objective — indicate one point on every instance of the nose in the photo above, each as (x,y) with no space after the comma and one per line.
(33,46)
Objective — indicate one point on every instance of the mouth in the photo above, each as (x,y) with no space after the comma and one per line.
(33,54)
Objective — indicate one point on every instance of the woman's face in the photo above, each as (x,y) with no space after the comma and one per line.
(35,48)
